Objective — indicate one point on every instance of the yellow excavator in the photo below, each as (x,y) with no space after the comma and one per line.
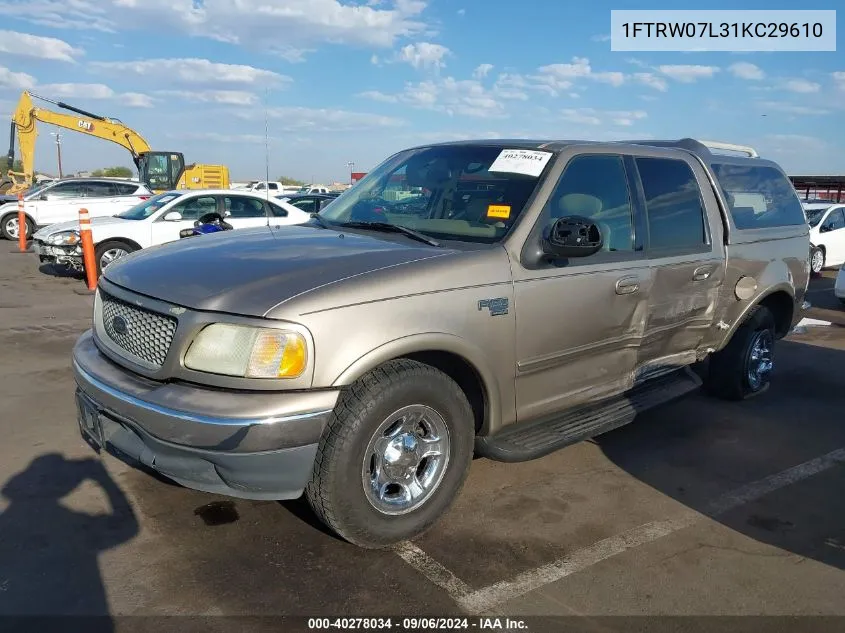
(160,171)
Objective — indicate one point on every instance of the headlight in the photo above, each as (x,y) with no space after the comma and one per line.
(64,238)
(251,352)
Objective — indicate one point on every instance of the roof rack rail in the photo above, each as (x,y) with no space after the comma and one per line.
(700,147)
(731,147)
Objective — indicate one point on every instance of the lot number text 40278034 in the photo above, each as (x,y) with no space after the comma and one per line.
(418,624)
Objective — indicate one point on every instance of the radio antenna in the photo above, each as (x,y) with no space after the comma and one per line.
(267,152)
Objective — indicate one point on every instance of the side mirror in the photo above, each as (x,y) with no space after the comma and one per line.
(572,236)
(172,216)
(44,197)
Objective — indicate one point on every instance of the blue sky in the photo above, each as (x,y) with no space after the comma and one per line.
(353,81)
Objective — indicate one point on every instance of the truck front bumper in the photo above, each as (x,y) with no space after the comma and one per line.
(253,445)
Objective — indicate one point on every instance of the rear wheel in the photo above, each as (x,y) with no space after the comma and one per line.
(743,367)
(9,226)
(107,252)
(394,455)
(816,260)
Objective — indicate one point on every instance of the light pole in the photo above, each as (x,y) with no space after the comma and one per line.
(58,150)
(351,166)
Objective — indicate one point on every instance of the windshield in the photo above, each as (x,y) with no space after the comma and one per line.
(36,189)
(146,208)
(470,193)
(814,216)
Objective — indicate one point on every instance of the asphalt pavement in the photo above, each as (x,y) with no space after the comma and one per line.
(699,508)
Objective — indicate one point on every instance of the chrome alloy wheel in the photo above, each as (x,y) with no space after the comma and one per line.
(759,363)
(817,261)
(406,459)
(110,255)
(11,226)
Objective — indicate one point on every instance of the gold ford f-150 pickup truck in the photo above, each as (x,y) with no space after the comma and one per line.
(500,298)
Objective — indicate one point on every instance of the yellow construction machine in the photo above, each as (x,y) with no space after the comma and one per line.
(161,171)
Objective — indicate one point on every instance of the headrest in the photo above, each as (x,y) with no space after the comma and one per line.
(428,173)
(579,204)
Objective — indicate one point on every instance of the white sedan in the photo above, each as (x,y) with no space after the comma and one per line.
(159,220)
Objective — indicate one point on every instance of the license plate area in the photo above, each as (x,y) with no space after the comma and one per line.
(89,422)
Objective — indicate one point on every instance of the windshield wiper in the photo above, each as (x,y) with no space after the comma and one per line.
(396,228)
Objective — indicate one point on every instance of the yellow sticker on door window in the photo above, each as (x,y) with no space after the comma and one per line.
(500,211)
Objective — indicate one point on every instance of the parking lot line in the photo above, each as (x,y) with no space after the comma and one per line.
(481,600)
(434,571)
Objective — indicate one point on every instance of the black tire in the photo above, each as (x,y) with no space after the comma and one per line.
(30,229)
(816,265)
(728,373)
(104,247)
(336,491)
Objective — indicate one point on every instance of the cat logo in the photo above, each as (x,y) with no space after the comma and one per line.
(85,125)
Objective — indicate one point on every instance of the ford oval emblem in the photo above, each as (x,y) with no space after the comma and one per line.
(119,325)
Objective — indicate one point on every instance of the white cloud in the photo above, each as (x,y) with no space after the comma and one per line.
(604,37)
(688,73)
(258,24)
(95,91)
(612,78)
(839,79)
(801,86)
(307,120)
(26,45)
(451,96)
(746,70)
(375,95)
(591,116)
(482,70)
(424,55)
(462,11)
(15,81)
(194,71)
(223,97)
(652,81)
(791,108)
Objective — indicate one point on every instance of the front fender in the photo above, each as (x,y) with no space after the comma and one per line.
(434,342)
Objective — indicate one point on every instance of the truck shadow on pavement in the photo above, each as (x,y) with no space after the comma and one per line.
(49,552)
(695,450)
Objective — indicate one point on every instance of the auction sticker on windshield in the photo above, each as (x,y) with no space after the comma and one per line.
(521,161)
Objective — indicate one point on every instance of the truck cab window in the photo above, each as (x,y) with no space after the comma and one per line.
(595,186)
(673,204)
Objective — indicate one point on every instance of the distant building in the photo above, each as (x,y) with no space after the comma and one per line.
(820,187)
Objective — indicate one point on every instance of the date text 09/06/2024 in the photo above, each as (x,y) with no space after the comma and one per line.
(418,624)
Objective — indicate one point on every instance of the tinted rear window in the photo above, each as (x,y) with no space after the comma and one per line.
(759,197)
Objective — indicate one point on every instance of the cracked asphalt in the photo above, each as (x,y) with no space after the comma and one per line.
(86,535)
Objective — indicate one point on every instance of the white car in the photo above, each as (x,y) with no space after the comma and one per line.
(827,235)
(61,200)
(839,288)
(159,220)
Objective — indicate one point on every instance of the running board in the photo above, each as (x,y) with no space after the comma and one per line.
(530,440)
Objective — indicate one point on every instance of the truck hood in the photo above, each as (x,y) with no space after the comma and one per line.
(249,271)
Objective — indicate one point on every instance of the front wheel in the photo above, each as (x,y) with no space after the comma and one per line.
(394,455)
(743,367)
(9,227)
(107,252)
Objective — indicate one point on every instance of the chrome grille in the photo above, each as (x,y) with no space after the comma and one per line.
(144,334)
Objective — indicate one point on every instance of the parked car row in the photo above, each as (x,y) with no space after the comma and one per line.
(156,220)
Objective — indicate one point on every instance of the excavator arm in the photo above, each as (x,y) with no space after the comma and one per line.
(27,115)
(157,169)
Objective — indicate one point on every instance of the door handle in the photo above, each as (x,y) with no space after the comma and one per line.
(702,273)
(627,285)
